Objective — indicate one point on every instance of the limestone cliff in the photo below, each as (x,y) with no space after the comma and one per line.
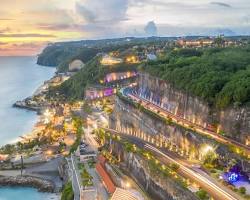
(130,120)
(234,122)
(160,188)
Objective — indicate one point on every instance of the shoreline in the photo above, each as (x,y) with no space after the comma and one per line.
(42,185)
(32,105)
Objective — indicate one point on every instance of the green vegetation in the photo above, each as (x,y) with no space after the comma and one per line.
(60,54)
(73,89)
(202,194)
(220,76)
(77,123)
(242,190)
(67,193)
(85,176)
(22,147)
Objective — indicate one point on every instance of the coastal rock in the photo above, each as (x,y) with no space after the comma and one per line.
(28,181)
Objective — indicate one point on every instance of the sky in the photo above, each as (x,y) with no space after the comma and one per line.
(27,26)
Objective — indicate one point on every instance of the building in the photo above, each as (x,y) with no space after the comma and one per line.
(151,56)
(116,76)
(195,43)
(120,194)
(76,65)
(101,170)
(98,92)
(110,60)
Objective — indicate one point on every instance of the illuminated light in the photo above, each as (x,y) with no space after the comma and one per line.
(49,152)
(95,126)
(206,149)
(128,185)
(233,177)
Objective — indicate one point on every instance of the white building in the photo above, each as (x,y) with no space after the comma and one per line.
(76,65)
(151,56)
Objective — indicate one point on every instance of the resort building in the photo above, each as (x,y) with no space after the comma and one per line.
(116,76)
(76,65)
(195,43)
(97,92)
(109,60)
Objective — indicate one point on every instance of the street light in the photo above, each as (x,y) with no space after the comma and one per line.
(207,151)
(128,185)
(207,148)
(95,126)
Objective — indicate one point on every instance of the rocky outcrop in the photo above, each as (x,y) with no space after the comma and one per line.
(160,188)
(234,121)
(28,181)
(24,105)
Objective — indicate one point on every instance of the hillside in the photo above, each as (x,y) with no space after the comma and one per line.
(62,53)
(220,76)
(73,89)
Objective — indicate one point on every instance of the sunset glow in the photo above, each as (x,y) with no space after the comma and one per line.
(26,26)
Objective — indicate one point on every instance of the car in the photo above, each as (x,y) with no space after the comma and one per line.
(196,166)
(82,148)
(83,145)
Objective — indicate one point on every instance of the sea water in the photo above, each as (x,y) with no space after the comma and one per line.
(19,78)
(21,193)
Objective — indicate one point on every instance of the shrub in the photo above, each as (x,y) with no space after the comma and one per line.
(202,194)
(67,193)
(242,190)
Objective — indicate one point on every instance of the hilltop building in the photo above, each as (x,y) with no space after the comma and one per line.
(195,43)
(110,60)
(76,65)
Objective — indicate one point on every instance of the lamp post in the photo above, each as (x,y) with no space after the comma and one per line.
(21,165)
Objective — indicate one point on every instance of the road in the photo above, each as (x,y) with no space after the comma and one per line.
(102,193)
(74,179)
(185,123)
(218,192)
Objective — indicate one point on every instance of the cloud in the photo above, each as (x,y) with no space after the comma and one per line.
(3,43)
(6,19)
(88,15)
(221,4)
(25,48)
(96,11)
(29,45)
(25,35)
(151,29)
(246,19)
(4,30)
(53,27)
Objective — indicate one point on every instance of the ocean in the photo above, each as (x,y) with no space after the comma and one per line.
(20,193)
(19,78)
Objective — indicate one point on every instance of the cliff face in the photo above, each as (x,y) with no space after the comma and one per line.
(233,122)
(158,187)
(130,120)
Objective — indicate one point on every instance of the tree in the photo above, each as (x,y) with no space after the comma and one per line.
(219,41)
(202,194)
